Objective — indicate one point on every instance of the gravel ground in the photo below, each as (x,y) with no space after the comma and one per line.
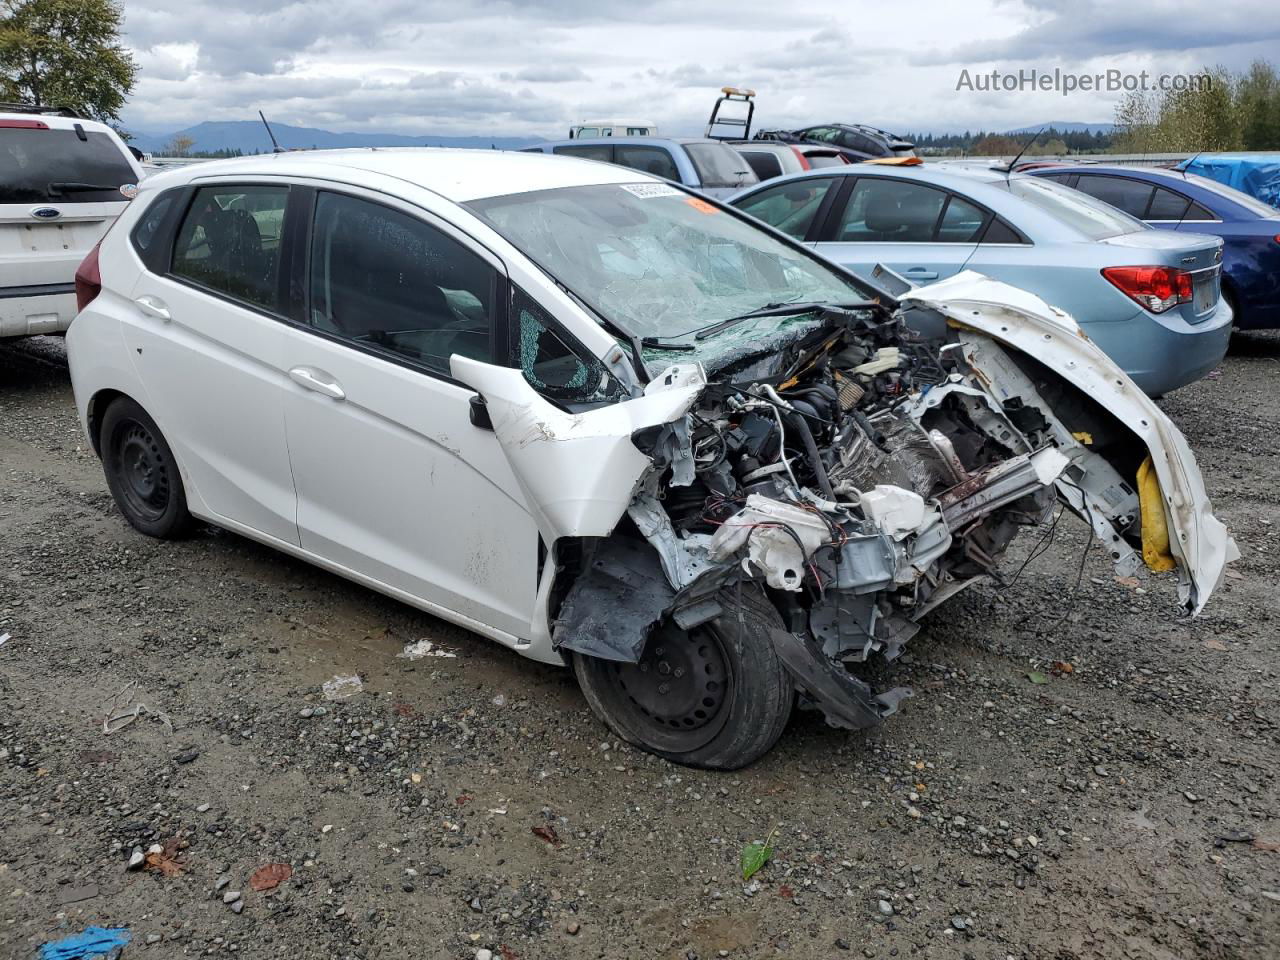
(1127,807)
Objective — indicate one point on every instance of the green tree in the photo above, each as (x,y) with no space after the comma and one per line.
(1230,112)
(1258,94)
(65,53)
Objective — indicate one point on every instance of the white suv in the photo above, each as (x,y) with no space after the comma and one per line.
(603,420)
(63,182)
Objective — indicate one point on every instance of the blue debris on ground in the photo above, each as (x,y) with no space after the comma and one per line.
(92,942)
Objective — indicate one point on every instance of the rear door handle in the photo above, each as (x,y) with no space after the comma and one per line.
(318,381)
(153,307)
(921,273)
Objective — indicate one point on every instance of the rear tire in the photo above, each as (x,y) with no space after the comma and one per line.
(716,696)
(142,473)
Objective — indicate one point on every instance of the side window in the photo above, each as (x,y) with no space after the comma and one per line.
(144,233)
(1167,205)
(1198,212)
(652,160)
(1000,232)
(766,165)
(229,241)
(890,211)
(555,369)
(1131,196)
(387,280)
(961,222)
(586,153)
(789,207)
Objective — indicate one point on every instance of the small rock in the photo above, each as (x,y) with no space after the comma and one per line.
(136,859)
(187,756)
(1101,771)
(842,944)
(886,908)
(573,928)
(327,828)
(306,713)
(483,954)
(959,923)
(231,896)
(221,882)
(237,906)
(153,938)
(407,887)
(203,808)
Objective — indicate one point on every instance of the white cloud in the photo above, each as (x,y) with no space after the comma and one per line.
(521,67)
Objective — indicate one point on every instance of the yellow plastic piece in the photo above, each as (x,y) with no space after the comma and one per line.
(1084,436)
(1155,529)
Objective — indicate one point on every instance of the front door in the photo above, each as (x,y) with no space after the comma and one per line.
(394,481)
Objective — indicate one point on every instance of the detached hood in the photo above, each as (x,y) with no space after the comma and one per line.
(1198,541)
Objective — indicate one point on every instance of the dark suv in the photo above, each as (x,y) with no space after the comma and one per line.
(856,141)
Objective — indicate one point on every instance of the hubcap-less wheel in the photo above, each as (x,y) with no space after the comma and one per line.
(143,471)
(680,687)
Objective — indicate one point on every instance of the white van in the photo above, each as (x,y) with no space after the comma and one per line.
(613,128)
(63,182)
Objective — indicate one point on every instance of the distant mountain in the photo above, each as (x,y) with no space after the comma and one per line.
(1066,126)
(249,136)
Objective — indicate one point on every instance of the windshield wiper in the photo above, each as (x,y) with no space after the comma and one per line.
(655,343)
(779,310)
(74,186)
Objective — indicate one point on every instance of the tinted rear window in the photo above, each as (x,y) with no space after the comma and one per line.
(56,166)
(766,165)
(1091,218)
(719,165)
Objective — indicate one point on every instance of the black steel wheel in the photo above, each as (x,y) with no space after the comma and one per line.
(141,471)
(715,696)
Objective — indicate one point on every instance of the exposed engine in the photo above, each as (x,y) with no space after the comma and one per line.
(859,475)
(864,482)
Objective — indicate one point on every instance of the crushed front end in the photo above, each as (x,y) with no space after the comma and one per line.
(856,477)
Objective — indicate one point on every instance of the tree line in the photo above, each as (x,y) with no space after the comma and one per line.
(1236,111)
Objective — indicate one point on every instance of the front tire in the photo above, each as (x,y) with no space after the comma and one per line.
(716,696)
(142,473)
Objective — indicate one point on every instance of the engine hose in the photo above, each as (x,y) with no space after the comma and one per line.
(801,426)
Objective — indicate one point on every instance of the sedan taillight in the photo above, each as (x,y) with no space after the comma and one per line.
(1154,288)
(88,279)
(804,161)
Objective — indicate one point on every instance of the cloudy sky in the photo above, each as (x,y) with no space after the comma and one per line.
(525,67)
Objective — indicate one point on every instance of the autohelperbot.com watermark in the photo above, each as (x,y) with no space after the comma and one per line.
(1034,80)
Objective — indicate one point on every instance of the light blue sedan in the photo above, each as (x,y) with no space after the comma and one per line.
(1150,298)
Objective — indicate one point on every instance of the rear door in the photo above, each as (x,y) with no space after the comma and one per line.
(205,333)
(395,481)
(922,232)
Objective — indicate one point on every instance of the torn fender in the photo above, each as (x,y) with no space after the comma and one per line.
(1199,542)
(578,471)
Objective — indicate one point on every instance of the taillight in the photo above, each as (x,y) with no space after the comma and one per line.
(88,279)
(1155,288)
(804,161)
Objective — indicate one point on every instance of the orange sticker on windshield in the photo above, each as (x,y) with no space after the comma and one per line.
(700,205)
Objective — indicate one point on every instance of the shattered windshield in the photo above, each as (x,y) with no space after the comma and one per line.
(660,263)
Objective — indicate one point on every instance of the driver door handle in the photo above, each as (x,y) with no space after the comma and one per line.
(319,381)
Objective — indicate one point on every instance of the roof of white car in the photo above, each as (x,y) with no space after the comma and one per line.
(56,121)
(458,175)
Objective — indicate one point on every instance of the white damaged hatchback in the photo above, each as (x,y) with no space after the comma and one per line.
(607,423)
